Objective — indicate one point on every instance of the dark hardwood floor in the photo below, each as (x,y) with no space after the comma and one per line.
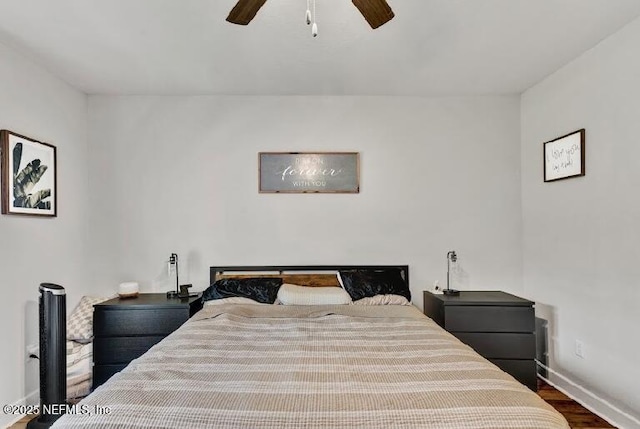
(577,415)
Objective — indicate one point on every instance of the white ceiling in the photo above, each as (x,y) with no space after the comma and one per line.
(432,47)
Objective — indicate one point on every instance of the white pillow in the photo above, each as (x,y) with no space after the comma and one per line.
(340,280)
(302,295)
(383,300)
(231,300)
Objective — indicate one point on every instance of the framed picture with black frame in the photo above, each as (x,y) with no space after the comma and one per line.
(564,157)
(28,176)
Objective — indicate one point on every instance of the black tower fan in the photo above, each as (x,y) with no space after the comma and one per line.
(53,356)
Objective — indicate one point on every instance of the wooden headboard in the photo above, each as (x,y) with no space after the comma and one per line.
(304,275)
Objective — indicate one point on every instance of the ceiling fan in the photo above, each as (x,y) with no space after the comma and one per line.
(376,12)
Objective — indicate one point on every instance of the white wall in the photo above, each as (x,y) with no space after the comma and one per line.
(180,174)
(581,235)
(35,250)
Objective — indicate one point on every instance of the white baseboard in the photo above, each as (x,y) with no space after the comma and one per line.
(32,398)
(594,403)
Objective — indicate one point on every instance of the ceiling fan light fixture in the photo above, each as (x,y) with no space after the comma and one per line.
(376,12)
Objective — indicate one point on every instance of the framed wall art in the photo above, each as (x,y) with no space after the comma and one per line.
(564,157)
(28,176)
(309,172)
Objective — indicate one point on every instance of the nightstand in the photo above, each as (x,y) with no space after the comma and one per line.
(124,329)
(497,325)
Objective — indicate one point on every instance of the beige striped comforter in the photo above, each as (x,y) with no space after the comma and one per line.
(260,366)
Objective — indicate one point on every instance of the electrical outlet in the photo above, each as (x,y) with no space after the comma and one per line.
(33,350)
(580,349)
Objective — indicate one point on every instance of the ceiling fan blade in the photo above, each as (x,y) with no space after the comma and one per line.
(244,11)
(376,12)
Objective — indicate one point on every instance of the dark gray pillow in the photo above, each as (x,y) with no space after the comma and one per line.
(261,289)
(365,283)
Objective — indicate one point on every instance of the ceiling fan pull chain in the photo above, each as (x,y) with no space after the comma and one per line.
(308,14)
(314,27)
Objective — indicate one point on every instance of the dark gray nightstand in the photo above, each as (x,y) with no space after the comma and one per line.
(124,329)
(498,325)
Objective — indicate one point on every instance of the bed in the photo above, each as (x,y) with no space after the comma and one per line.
(240,365)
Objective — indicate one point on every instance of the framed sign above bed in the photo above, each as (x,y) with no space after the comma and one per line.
(309,172)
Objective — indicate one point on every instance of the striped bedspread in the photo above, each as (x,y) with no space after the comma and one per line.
(262,366)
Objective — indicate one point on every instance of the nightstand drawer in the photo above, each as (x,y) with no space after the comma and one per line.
(131,322)
(500,345)
(102,373)
(522,370)
(119,350)
(489,319)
